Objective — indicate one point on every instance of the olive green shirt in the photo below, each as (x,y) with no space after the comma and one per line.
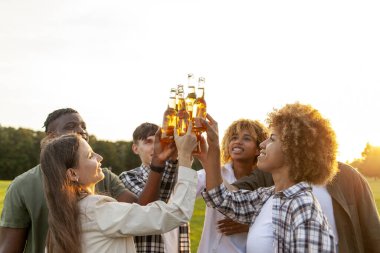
(356,218)
(25,205)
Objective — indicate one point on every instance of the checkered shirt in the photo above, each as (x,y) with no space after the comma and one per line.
(298,222)
(135,181)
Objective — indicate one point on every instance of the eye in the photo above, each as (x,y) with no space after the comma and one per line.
(234,137)
(69,126)
(248,138)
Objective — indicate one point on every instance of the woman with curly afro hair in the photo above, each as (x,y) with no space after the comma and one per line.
(300,151)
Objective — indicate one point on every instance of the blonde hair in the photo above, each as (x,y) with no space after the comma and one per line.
(308,142)
(257,130)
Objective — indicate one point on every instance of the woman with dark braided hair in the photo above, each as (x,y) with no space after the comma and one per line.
(81,221)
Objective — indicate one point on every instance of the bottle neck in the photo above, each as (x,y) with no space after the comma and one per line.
(172,103)
(201,92)
(191,90)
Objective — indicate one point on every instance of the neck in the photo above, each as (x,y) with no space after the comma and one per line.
(242,169)
(89,188)
(281,179)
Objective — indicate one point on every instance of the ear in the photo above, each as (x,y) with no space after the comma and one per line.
(135,149)
(72,175)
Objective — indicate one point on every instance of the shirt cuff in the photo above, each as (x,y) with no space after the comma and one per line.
(214,197)
(187,174)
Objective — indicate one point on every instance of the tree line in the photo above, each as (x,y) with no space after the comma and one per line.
(20,151)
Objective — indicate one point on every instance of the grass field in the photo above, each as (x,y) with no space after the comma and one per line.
(196,223)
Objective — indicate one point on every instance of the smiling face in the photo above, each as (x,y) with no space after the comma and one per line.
(242,147)
(271,158)
(88,171)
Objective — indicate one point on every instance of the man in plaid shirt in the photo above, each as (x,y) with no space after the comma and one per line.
(177,240)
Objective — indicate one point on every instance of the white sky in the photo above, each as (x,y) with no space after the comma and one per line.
(115,61)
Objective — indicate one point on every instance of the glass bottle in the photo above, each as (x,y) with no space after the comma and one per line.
(199,107)
(179,87)
(191,96)
(182,114)
(169,119)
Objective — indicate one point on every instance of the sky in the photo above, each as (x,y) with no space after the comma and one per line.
(115,61)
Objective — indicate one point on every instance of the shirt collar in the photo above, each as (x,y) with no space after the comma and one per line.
(295,189)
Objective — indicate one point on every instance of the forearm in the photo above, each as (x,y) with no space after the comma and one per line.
(213,173)
(12,240)
(151,189)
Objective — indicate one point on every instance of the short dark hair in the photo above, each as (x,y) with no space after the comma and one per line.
(143,131)
(55,115)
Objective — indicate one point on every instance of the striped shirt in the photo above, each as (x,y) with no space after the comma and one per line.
(135,181)
(298,222)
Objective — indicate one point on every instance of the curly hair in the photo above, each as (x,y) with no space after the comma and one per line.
(308,142)
(257,130)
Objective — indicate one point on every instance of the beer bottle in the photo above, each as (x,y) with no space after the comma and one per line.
(199,107)
(182,114)
(169,120)
(191,96)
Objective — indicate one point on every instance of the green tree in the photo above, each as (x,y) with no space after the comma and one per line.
(369,163)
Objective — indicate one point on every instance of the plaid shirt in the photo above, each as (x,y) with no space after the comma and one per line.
(298,222)
(135,181)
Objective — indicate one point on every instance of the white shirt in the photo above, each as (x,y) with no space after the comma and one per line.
(109,226)
(260,235)
(212,240)
(171,241)
(325,201)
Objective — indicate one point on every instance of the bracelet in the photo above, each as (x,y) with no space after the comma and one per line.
(157,169)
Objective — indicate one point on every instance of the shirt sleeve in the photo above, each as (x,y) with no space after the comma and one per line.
(241,205)
(15,213)
(168,181)
(201,182)
(367,213)
(133,180)
(155,218)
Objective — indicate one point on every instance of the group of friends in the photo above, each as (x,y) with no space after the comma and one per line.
(275,189)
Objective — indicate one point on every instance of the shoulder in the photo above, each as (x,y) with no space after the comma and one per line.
(94,200)
(32,177)
(347,177)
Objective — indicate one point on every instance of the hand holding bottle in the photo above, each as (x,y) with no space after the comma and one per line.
(162,151)
(185,146)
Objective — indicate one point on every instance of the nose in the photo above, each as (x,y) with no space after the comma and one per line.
(99,157)
(82,132)
(263,144)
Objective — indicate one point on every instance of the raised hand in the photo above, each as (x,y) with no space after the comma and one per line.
(162,151)
(185,146)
